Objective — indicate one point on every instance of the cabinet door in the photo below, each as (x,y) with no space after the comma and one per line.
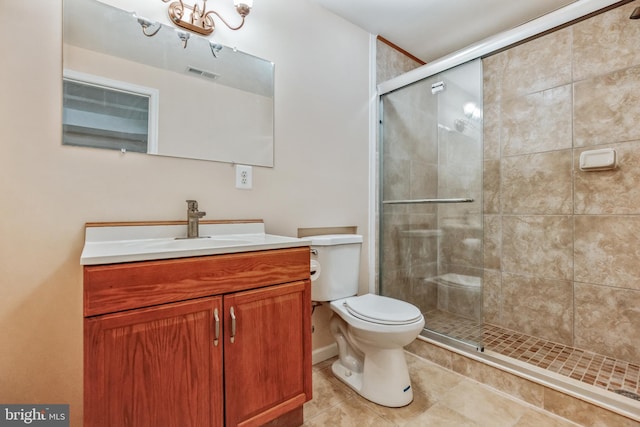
(267,353)
(157,366)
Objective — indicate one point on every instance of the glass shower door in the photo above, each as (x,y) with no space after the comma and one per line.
(430,236)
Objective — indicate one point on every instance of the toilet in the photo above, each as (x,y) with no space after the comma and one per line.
(370,330)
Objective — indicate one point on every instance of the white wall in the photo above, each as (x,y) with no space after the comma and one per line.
(48,192)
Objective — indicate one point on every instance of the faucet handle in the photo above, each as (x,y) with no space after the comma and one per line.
(192,205)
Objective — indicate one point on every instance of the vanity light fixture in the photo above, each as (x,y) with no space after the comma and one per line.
(196,18)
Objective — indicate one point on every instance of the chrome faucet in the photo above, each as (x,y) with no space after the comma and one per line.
(193,219)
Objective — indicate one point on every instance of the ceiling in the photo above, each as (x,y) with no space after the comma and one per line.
(431,29)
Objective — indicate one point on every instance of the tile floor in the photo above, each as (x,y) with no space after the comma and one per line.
(591,368)
(441,398)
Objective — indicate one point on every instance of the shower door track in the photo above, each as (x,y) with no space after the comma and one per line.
(420,201)
(452,341)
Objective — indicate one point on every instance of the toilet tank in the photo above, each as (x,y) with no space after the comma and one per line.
(335,266)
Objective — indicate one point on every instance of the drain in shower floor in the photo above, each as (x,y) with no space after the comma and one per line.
(628,394)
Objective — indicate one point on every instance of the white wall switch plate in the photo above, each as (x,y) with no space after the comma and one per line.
(244,177)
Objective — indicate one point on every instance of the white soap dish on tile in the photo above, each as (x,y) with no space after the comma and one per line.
(598,160)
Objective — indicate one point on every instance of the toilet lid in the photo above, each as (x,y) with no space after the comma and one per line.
(384,310)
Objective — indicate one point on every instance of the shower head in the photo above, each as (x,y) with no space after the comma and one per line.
(635,14)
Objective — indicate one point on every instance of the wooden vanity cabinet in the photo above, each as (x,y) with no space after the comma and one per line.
(225,341)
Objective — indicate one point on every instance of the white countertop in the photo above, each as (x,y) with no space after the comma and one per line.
(117,244)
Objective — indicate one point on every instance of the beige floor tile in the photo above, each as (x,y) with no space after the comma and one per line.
(441,398)
(533,418)
(483,406)
(441,416)
(429,382)
(351,412)
(328,391)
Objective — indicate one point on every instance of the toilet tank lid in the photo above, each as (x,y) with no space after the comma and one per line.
(334,239)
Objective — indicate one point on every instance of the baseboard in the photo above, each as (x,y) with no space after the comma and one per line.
(321,354)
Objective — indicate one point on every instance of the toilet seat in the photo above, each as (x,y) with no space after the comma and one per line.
(382,310)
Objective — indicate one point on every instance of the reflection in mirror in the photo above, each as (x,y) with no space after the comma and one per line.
(124,90)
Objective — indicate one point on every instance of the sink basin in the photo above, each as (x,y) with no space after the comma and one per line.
(180,243)
(140,243)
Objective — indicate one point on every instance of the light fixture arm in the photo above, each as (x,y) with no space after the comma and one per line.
(213,12)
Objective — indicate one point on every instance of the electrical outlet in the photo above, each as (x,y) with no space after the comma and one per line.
(244,177)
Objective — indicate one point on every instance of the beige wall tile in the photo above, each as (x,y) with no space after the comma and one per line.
(539,246)
(609,192)
(491,187)
(537,122)
(537,183)
(608,321)
(583,413)
(538,307)
(491,292)
(527,67)
(391,63)
(606,108)
(513,385)
(430,352)
(606,43)
(491,130)
(492,242)
(606,250)
(493,68)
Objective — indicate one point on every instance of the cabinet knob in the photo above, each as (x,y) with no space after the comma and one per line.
(233,325)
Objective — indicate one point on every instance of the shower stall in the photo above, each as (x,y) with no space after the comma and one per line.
(431,200)
(542,276)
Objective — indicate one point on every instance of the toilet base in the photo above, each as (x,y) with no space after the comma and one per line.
(384,379)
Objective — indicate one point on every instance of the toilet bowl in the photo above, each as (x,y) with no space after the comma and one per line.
(370,330)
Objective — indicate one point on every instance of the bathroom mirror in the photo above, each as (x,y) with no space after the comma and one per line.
(161,94)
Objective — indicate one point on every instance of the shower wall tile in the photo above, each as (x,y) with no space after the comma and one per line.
(491,291)
(582,412)
(391,63)
(396,221)
(606,108)
(393,184)
(537,183)
(498,379)
(537,122)
(539,246)
(396,284)
(462,246)
(609,192)
(527,66)
(539,307)
(423,180)
(608,321)
(492,74)
(605,43)
(607,251)
(491,186)
(491,131)
(492,241)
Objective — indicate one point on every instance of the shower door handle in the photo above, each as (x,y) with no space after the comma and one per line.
(418,201)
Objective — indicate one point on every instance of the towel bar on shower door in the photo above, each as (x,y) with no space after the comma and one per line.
(417,201)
